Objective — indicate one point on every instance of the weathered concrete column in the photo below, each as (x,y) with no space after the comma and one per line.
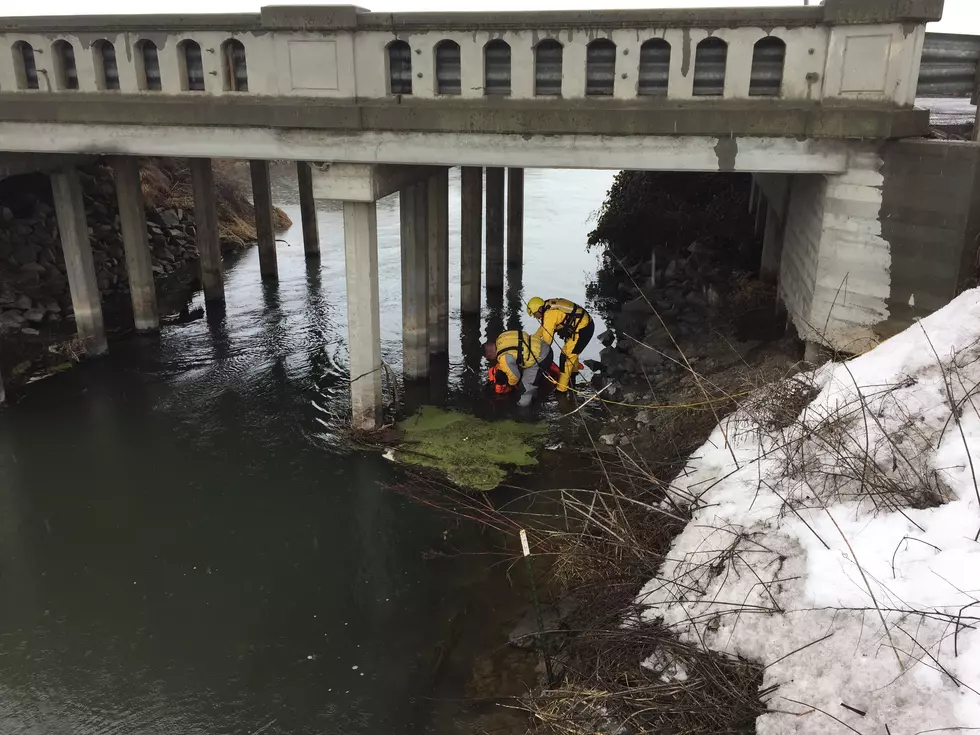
(471,239)
(438,240)
(206,224)
(307,208)
(262,199)
(363,313)
(139,263)
(495,229)
(515,217)
(85,297)
(415,279)
(772,247)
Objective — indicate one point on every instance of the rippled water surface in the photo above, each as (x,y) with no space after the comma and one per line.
(185,545)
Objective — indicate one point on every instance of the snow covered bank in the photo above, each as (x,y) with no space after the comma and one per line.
(840,549)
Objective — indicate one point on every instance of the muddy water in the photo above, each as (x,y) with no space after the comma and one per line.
(187,547)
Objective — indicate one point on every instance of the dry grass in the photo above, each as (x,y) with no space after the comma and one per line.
(166,184)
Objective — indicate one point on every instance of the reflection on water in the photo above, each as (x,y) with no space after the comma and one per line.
(186,548)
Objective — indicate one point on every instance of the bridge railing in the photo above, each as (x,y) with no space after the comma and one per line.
(804,54)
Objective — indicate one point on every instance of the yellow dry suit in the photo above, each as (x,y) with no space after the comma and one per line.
(569,321)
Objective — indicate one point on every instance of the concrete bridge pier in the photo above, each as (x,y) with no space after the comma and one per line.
(262,200)
(206,222)
(471,240)
(495,229)
(414,200)
(363,313)
(73,228)
(132,222)
(307,208)
(438,241)
(515,218)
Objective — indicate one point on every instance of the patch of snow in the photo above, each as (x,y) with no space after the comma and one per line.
(839,552)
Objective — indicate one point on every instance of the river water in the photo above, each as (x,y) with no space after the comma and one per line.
(186,547)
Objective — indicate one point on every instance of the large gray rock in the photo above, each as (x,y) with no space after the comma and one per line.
(26,253)
(6,215)
(23,302)
(607,338)
(11,319)
(169,218)
(34,316)
(34,268)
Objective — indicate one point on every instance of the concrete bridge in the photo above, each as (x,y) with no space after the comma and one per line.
(812,100)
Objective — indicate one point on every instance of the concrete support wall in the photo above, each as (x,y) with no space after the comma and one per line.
(363,313)
(515,217)
(206,222)
(495,229)
(73,228)
(307,207)
(139,263)
(772,244)
(262,199)
(438,241)
(415,280)
(471,239)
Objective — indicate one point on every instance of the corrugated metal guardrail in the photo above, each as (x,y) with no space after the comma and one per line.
(949,65)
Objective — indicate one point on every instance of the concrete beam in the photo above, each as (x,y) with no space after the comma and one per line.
(206,224)
(439,263)
(365,182)
(515,217)
(668,153)
(471,239)
(73,229)
(495,229)
(139,263)
(415,280)
(262,201)
(363,313)
(14,164)
(840,119)
(307,208)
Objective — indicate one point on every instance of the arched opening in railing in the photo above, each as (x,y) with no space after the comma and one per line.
(234,70)
(24,66)
(600,68)
(547,68)
(191,66)
(448,75)
(399,68)
(106,69)
(768,59)
(65,71)
(148,66)
(654,68)
(709,68)
(496,68)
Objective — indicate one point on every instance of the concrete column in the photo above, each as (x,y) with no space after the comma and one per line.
(438,241)
(139,263)
(262,199)
(772,247)
(206,224)
(363,313)
(471,239)
(415,280)
(3,393)
(495,229)
(515,217)
(85,297)
(307,207)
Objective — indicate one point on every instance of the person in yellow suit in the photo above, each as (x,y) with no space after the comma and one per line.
(518,360)
(570,322)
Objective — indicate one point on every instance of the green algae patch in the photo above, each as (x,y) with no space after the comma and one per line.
(471,452)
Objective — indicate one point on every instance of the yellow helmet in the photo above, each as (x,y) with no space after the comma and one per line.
(534,305)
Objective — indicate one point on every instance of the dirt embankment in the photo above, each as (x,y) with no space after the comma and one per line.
(36,315)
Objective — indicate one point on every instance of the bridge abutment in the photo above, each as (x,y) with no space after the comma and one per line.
(206,224)
(73,228)
(471,240)
(265,232)
(307,208)
(132,223)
